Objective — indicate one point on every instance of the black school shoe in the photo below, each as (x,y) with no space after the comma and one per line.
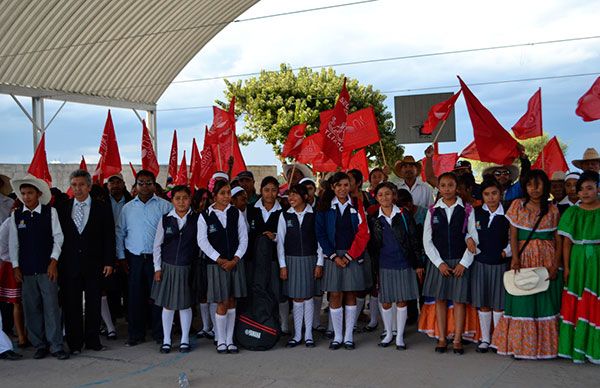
(40,353)
(10,355)
(61,355)
(349,345)
(334,345)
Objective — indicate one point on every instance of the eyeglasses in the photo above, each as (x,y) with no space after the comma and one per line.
(145,183)
(501,172)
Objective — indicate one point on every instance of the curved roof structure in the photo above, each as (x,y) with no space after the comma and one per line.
(122,53)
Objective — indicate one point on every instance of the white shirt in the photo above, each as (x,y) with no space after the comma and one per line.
(395,210)
(499,212)
(266,213)
(13,237)
(203,242)
(160,235)
(86,210)
(4,230)
(422,193)
(430,248)
(566,201)
(282,229)
(335,201)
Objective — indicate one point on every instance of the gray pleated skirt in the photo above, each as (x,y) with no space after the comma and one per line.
(439,287)
(278,286)
(487,285)
(398,285)
(301,276)
(350,278)
(174,291)
(223,285)
(367,267)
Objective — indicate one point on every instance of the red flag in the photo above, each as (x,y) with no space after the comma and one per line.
(223,128)
(207,163)
(359,162)
(83,164)
(110,161)
(195,166)
(173,157)
(588,106)
(133,172)
(311,149)
(333,135)
(149,161)
(361,129)
(493,142)
(530,124)
(293,143)
(182,175)
(39,164)
(470,152)
(438,112)
(551,159)
(441,163)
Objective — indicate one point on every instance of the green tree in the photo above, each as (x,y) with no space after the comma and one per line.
(533,147)
(275,101)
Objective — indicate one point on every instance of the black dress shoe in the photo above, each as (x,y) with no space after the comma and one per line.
(40,353)
(384,344)
(97,348)
(458,350)
(61,355)
(334,345)
(441,349)
(400,347)
(349,345)
(10,355)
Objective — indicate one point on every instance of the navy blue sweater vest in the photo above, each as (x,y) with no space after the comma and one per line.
(224,240)
(300,240)
(449,238)
(179,247)
(492,239)
(391,255)
(344,229)
(34,231)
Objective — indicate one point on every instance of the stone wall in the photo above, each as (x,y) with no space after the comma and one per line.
(60,173)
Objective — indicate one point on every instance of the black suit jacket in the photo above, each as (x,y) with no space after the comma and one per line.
(87,253)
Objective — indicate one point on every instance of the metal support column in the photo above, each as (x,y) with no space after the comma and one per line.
(37,118)
(152,129)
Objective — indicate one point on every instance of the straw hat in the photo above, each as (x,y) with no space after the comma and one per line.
(5,189)
(408,159)
(514,171)
(35,182)
(527,281)
(303,168)
(589,154)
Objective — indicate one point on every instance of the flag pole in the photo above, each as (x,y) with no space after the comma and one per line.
(382,153)
(219,156)
(437,135)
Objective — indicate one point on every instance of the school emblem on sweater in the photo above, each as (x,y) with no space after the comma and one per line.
(290,224)
(212,229)
(477,225)
(169,230)
(22,224)
(436,220)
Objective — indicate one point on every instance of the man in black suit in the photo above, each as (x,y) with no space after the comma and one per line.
(88,254)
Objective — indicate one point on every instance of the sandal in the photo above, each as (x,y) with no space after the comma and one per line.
(441,348)
(222,349)
(184,348)
(458,347)
(292,343)
(232,349)
(165,348)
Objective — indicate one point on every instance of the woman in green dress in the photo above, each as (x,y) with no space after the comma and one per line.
(579,337)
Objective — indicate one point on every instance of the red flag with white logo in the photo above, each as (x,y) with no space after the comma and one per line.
(530,124)
(293,143)
(173,156)
(438,112)
(110,160)
(149,161)
(334,131)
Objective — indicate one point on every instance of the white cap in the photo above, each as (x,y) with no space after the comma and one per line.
(572,175)
(307,180)
(221,175)
(236,190)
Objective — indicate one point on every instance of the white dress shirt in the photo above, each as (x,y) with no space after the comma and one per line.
(203,242)
(160,235)
(13,237)
(395,210)
(567,201)
(421,192)
(430,248)
(86,210)
(266,213)
(282,229)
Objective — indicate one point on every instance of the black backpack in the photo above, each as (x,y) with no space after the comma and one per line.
(257,321)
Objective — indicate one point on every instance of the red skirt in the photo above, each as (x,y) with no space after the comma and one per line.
(10,290)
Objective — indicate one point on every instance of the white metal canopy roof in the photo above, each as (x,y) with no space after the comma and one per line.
(121,53)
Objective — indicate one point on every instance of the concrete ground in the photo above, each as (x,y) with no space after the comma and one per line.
(367,366)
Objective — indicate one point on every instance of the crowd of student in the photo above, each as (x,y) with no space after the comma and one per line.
(512,263)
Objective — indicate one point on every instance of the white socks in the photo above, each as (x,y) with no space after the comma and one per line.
(298,317)
(213,317)
(284,313)
(106,317)
(230,326)
(317,302)
(167,323)
(485,323)
(351,313)
(497,316)
(386,315)
(221,329)
(204,314)
(373,310)
(337,321)
(401,316)
(308,318)
(185,316)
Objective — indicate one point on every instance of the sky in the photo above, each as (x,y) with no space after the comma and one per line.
(381,29)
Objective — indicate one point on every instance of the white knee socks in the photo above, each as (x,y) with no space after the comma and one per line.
(185,316)
(204,314)
(485,323)
(230,326)
(298,317)
(167,323)
(337,321)
(106,317)
(284,313)
(401,316)
(386,316)
(308,318)
(221,329)
(317,302)
(213,317)
(373,311)
(350,316)
(497,316)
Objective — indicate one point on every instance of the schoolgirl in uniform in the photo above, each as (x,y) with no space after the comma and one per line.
(396,246)
(343,235)
(223,237)
(300,261)
(487,271)
(448,230)
(175,249)
(263,218)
